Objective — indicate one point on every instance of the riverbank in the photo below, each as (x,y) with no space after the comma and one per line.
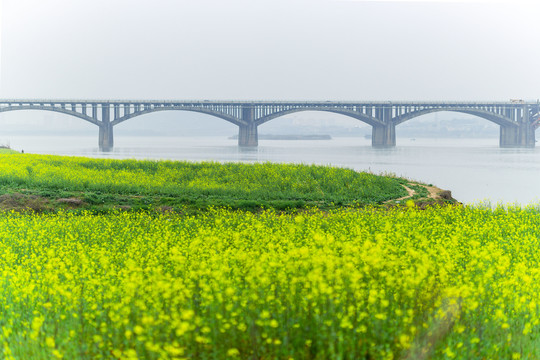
(474,169)
(7,150)
(49,183)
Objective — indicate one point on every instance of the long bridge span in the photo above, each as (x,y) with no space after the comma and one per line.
(518,120)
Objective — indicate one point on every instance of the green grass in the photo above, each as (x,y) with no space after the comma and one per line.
(52,182)
(8,151)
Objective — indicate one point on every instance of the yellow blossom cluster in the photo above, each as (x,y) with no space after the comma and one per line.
(453,282)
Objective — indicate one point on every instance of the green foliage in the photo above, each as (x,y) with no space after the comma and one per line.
(7,151)
(104,182)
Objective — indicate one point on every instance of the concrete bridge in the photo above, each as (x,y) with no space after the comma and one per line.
(518,120)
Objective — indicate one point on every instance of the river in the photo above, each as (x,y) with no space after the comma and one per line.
(475,170)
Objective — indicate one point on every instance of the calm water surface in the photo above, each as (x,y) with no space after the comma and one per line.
(475,170)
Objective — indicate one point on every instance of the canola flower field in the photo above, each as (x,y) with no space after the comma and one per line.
(342,279)
(372,283)
(103,183)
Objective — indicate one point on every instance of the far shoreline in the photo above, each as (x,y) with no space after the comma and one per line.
(288,137)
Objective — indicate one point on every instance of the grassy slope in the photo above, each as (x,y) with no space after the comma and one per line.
(7,151)
(49,182)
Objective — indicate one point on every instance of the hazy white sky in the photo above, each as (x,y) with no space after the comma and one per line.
(270,49)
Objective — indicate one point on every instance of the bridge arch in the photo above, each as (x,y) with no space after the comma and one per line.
(370,120)
(53,109)
(223,116)
(490,116)
(176,124)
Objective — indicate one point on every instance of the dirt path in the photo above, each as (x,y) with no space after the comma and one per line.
(438,194)
(410,193)
(434,193)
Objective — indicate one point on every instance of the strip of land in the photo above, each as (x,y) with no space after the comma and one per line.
(49,183)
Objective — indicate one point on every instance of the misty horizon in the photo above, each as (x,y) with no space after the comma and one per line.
(259,50)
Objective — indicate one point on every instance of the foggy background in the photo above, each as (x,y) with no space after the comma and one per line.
(266,50)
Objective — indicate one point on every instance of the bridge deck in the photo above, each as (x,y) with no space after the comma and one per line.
(518,119)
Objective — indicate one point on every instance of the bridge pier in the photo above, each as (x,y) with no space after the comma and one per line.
(384,135)
(508,136)
(517,136)
(248,134)
(105,139)
(522,135)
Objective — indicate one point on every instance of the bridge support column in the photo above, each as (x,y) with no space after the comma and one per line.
(106,140)
(508,136)
(384,135)
(522,135)
(248,135)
